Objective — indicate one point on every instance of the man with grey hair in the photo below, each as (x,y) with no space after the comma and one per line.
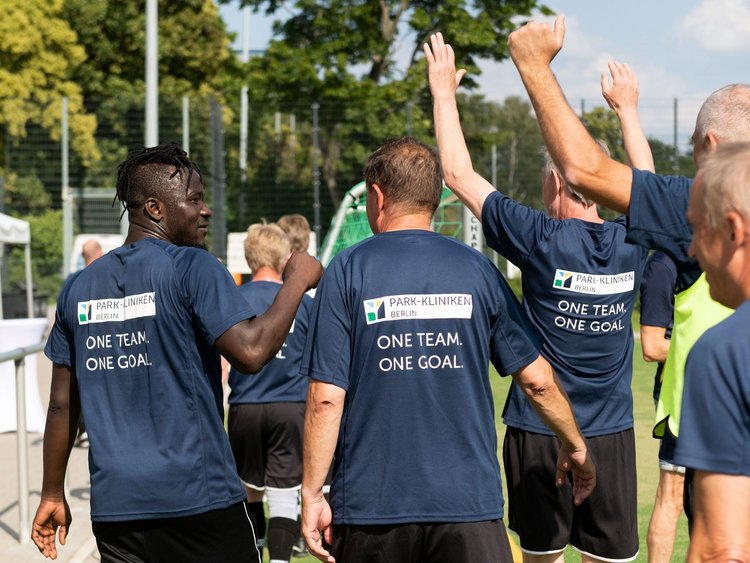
(716,374)
(580,281)
(656,205)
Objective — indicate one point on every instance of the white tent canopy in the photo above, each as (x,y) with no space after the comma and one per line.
(15,231)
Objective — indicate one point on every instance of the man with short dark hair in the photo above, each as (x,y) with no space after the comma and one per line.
(136,348)
(399,388)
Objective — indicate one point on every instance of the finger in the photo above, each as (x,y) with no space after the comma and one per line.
(63,534)
(451,55)
(559,29)
(605,84)
(428,54)
(460,75)
(560,477)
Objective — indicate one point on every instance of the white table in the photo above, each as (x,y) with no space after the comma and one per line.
(19,333)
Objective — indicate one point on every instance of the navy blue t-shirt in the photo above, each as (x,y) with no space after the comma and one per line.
(657,300)
(658,220)
(579,288)
(279,381)
(715,419)
(138,326)
(407,323)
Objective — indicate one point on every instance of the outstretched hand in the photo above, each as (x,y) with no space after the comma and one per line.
(441,65)
(536,43)
(621,92)
(50,516)
(577,462)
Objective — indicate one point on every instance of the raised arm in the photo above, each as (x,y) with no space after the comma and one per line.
(455,160)
(622,96)
(576,154)
(541,386)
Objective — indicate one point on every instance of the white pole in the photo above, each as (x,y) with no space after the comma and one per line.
(245,56)
(22,452)
(152,74)
(186,124)
(67,199)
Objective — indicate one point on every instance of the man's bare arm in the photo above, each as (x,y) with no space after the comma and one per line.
(622,96)
(542,388)
(654,342)
(721,525)
(455,160)
(576,154)
(53,514)
(325,406)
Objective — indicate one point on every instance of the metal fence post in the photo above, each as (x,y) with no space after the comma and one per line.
(23,451)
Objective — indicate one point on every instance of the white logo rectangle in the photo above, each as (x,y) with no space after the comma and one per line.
(418,306)
(117,309)
(597,284)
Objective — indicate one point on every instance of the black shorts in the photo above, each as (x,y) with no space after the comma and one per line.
(221,536)
(462,542)
(266,440)
(544,517)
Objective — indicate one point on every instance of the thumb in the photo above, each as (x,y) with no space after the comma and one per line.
(459,75)
(559,29)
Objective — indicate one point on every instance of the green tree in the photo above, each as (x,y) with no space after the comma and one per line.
(38,53)
(361,62)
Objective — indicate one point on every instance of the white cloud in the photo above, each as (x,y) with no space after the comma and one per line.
(719,25)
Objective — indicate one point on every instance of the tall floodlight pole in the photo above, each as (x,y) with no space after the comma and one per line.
(244,57)
(152,74)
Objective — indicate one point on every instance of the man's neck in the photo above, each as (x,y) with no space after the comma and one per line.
(268,274)
(406,222)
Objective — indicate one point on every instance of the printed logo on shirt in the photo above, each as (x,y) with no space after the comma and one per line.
(419,306)
(118,309)
(375,310)
(597,284)
(84,312)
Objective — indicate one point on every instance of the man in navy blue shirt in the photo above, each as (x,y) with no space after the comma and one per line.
(398,355)
(136,348)
(580,281)
(267,411)
(715,434)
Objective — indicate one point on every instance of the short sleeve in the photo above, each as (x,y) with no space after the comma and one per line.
(60,346)
(714,424)
(514,343)
(211,292)
(510,228)
(327,354)
(657,293)
(658,220)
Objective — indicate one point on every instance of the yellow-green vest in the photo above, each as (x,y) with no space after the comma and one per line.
(694,313)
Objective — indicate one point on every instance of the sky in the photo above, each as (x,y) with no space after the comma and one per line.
(682,49)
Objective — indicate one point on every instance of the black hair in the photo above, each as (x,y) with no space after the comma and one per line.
(134,185)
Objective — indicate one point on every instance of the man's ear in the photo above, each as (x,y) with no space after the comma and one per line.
(710,142)
(558,180)
(154,209)
(379,196)
(737,229)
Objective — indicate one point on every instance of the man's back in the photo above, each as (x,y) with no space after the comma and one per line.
(579,285)
(138,326)
(410,343)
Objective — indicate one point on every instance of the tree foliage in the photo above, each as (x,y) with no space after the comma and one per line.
(38,53)
(361,62)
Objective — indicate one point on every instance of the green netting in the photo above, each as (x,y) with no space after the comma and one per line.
(350,225)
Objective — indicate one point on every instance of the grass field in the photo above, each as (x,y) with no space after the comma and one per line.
(646,453)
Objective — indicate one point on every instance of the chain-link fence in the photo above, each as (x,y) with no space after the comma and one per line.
(300,159)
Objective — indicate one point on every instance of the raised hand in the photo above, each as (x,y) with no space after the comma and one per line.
(536,44)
